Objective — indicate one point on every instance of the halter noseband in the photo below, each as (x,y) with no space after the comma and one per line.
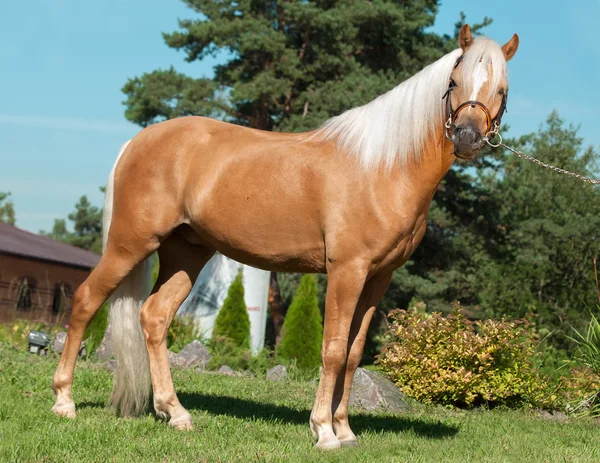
(492,125)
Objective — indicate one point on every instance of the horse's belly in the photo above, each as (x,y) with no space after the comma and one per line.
(262,243)
(257,225)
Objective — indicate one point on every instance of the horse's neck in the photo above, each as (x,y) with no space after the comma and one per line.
(425,174)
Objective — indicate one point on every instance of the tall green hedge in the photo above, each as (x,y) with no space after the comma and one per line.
(302,332)
(232,321)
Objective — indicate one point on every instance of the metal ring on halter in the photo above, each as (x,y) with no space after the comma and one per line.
(494,134)
(448,124)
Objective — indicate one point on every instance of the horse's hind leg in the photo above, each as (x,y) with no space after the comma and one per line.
(114,266)
(180,264)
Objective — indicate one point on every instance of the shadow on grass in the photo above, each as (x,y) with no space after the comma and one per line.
(241,408)
(91,405)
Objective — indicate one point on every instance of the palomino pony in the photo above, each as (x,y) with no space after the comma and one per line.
(349,199)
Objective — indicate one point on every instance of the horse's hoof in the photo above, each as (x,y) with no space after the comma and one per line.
(349,443)
(66,410)
(330,444)
(182,424)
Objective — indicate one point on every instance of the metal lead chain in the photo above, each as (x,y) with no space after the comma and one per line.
(543,164)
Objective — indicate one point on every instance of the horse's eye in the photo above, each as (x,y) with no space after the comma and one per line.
(501,91)
(452,83)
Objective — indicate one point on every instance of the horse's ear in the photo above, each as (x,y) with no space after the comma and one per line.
(510,48)
(465,39)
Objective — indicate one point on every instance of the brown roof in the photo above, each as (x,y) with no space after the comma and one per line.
(19,242)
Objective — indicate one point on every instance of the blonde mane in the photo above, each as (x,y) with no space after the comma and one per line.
(394,127)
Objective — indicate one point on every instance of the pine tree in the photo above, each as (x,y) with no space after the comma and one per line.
(289,66)
(7,209)
(87,223)
(302,333)
(232,321)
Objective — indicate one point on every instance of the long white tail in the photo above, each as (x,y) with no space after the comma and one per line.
(132,386)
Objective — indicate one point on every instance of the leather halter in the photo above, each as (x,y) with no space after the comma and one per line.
(492,125)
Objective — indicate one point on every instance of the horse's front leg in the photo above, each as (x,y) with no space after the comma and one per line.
(371,296)
(344,287)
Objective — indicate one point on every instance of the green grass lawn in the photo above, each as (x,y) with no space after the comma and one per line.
(241,419)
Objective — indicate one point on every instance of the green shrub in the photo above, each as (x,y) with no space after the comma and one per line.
(16,333)
(232,321)
(182,331)
(453,361)
(302,331)
(94,333)
(579,389)
(587,356)
(225,352)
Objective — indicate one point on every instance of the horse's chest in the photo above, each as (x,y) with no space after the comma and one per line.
(405,244)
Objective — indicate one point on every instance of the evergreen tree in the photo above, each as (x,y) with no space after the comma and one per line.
(232,321)
(550,230)
(302,333)
(7,209)
(290,65)
(87,225)
(510,239)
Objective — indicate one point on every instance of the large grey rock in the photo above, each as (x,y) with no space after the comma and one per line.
(58,344)
(194,355)
(555,415)
(104,351)
(226,370)
(110,365)
(373,391)
(173,359)
(277,373)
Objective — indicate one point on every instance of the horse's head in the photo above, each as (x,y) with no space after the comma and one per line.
(477,92)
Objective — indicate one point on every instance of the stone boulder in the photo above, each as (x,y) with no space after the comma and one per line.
(110,365)
(277,373)
(58,344)
(226,370)
(554,415)
(104,351)
(194,355)
(373,391)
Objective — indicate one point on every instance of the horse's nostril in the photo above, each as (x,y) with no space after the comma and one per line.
(468,135)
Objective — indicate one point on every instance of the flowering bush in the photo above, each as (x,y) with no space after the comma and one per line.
(454,361)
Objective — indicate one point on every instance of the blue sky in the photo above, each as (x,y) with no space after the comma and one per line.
(63,63)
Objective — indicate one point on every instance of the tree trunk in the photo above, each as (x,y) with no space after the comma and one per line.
(276,307)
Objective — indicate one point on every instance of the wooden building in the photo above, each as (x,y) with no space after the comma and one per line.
(38,275)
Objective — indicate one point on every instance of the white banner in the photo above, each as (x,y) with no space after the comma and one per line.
(209,292)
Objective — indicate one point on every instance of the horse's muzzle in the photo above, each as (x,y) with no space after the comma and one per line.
(467,140)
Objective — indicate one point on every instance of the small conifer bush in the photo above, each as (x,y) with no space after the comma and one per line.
(302,332)
(232,321)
